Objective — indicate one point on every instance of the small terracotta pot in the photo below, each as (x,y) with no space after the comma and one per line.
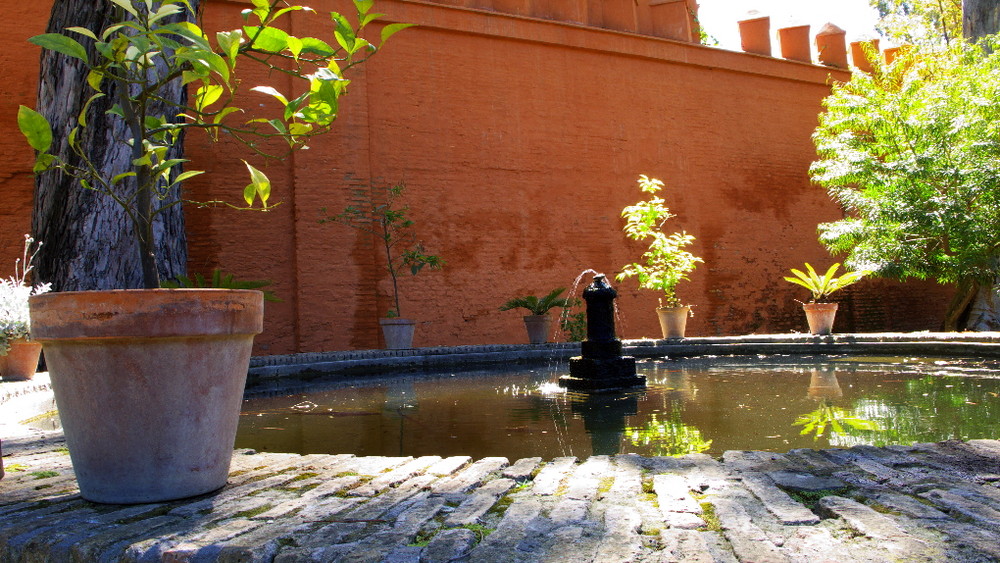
(538,328)
(398,333)
(820,317)
(673,320)
(21,361)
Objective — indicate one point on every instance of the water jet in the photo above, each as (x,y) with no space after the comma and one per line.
(601,366)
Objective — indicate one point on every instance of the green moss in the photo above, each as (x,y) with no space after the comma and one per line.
(811,498)
(605,484)
(40,487)
(44,474)
(15,467)
(303,476)
(712,523)
(424,537)
(480,531)
(254,511)
(40,417)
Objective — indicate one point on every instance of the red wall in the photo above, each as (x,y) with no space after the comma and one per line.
(520,140)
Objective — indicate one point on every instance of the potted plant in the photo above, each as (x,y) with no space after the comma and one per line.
(666,263)
(148,383)
(820,315)
(380,217)
(18,353)
(538,322)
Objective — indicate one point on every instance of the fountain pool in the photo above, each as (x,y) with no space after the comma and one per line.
(706,404)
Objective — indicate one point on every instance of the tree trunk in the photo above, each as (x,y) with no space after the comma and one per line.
(979,18)
(975,307)
(88,241)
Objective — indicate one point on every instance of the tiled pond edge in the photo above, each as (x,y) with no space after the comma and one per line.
(373,362)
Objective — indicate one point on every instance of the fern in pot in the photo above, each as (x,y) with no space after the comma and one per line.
(538,322)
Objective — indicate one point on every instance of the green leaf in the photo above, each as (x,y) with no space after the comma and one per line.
(271,92)
(43,163)
(35,128)
(294,46)
(187,174)
(61,44)
(259,186)
(207,95)
(229,42)
(392,29)
(164,11)
(267,39)
(82,118)
(127,6)
(318,47)
(83,31)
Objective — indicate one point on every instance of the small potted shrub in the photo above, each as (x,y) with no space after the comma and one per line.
(148,382)
(538,323)
(388,223)
(665,263)
(18,353)
(819,314)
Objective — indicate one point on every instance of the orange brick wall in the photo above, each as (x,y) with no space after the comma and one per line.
(520,140)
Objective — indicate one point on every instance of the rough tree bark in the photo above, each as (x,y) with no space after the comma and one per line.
(976,305)
(980,17)
(88,241)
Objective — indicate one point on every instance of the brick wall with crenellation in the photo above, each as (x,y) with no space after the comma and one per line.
(520,139)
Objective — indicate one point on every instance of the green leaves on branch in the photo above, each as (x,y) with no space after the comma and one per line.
(912,153)
(144,52)
(379,216)
(823,286)
(666,263)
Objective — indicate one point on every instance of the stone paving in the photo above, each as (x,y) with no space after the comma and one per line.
(927,502)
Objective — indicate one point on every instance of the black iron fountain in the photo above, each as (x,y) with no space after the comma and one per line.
(601,367)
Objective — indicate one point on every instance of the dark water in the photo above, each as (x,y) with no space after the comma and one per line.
(695,405)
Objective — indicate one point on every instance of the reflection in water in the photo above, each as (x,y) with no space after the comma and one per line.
(668,437)
(823,383)
(603,417)
(709,405)
(837,419)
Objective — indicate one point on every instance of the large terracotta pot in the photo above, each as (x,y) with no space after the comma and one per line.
(148,384)
(820,317)
(21,361)
(398,333)
(673,320)
(538,328)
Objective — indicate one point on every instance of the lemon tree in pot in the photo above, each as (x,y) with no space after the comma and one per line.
(148,382)
(666,262)
(819,314)
(382,217)
(538,323)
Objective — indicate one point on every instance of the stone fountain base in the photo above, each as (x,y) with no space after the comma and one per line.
(594,375)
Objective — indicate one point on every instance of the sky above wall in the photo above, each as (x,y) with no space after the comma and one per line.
(720,17)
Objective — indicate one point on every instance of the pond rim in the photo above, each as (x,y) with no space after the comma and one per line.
(266,370)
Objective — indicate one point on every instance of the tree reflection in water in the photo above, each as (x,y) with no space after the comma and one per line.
(669,436)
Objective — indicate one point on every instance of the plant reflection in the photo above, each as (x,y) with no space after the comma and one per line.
(838,420)
(668,437)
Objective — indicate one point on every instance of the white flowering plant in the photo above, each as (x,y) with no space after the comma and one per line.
(15,321)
